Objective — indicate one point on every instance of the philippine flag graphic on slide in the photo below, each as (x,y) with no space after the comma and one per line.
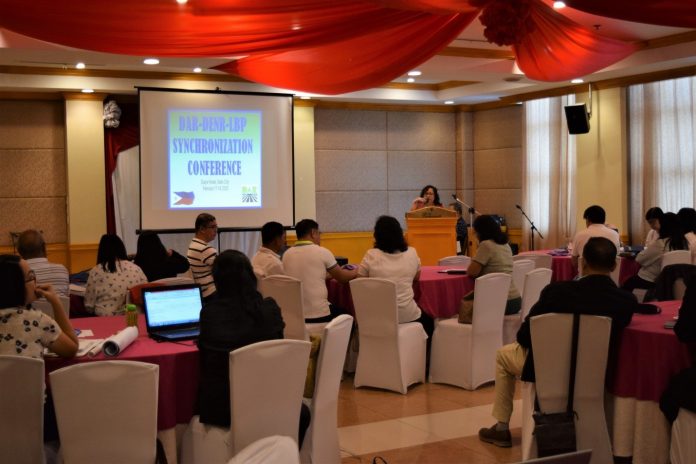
(186,198)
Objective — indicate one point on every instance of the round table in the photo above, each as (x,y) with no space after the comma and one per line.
(562,266)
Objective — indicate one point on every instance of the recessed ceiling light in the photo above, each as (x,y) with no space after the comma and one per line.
(87,90)
(415,72)
(558,5)
(80,65)
(151,61)
(577,81)
(296,27)
(410,80)
(197,70)
(449,102)
(181,2)
(305,97)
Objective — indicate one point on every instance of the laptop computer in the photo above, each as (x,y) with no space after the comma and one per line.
(172,312)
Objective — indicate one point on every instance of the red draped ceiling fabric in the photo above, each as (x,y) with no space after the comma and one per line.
(331,47)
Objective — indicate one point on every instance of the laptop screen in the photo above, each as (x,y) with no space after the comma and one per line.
(172,305)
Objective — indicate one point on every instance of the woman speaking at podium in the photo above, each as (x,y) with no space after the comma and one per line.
(428,197)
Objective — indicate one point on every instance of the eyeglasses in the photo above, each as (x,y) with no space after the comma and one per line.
(31,277)
(213,226)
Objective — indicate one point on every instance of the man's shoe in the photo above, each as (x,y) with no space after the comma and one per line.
(500,438)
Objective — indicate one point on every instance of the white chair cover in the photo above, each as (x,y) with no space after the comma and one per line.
(683,447)
(458,260)
(21,406)
(464,354)
(534,283)
(392,355)
(676,257)
(520,268)
(270,450)
(287,292)
(551,339)
(321,440)
(45,307)
(107,411)
(266,386)
(540,260)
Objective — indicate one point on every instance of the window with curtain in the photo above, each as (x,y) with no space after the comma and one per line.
(662,148)
(549,166)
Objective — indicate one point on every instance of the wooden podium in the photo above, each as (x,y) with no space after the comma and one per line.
(432,231)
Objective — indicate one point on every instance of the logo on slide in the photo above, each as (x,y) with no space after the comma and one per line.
(249,194)
(186,198)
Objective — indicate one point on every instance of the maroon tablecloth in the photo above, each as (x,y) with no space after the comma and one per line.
(649,355)
(436,293)
(178,366)
(562,267)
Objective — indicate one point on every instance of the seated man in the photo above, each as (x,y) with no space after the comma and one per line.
(267,261)
(32,248)
(595,218)
(594,294)
(309,262)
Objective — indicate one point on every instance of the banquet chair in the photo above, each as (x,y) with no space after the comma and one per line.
(392,355)
(287,292)
(475,344)
(275,449)
(21,403)
(551,340)
(520,268)
(266,385)
(45,307)
(534,283)
(107,411)
(321,440)
(682,449)
(675,257)
(458,260)
(540,260)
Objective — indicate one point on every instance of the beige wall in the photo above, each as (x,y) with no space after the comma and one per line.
(305,198)
(601,171)
(32,169)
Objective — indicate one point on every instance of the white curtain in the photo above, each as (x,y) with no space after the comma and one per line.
(126,184)
(548,193)
(662,137)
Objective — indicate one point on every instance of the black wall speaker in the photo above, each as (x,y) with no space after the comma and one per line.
(577,118)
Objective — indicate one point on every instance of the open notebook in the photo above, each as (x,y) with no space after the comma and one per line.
(172,312)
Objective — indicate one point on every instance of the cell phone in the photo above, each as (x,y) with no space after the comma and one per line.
(670,324)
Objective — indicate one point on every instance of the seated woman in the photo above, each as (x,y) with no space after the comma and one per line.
(653,217)
(156,261)
(493,255)
(238,317)
(111,278)
(687,219)
(27,331)
(394,260)
(650,259)
(428,197)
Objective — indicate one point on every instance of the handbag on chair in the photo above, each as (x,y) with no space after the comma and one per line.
(555,433)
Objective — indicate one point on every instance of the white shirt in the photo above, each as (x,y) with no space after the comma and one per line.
(691,238)
(400,268)
(51,273)
(105,294)
(651,237)
(267,262)
(594,230)
(309,262)
(201,256)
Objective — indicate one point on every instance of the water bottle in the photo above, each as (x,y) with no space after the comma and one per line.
(131,315)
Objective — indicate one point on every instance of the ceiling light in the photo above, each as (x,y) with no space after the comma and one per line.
(296,27)
(305,97)
(197,70)
(577,81)
(87,90)
(415,72)
(410,80)
(558,5)
(181,2)
(449,102)
(151,61)
(80,65)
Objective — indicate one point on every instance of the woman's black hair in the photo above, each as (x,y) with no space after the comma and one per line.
(687,218)
(234,278)
(12,285)
(671,230)
(150,249)
(487,228)
(389,237)
(437,195)
(111,249)
(654,213)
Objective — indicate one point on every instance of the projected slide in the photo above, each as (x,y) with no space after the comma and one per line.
(215,159)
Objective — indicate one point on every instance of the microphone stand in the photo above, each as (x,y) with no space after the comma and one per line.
(533,227)
(471,210)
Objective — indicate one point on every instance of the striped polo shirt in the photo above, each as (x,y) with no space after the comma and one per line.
(50,273)
(201,256)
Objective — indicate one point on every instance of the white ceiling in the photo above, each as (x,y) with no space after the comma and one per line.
(492,76)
